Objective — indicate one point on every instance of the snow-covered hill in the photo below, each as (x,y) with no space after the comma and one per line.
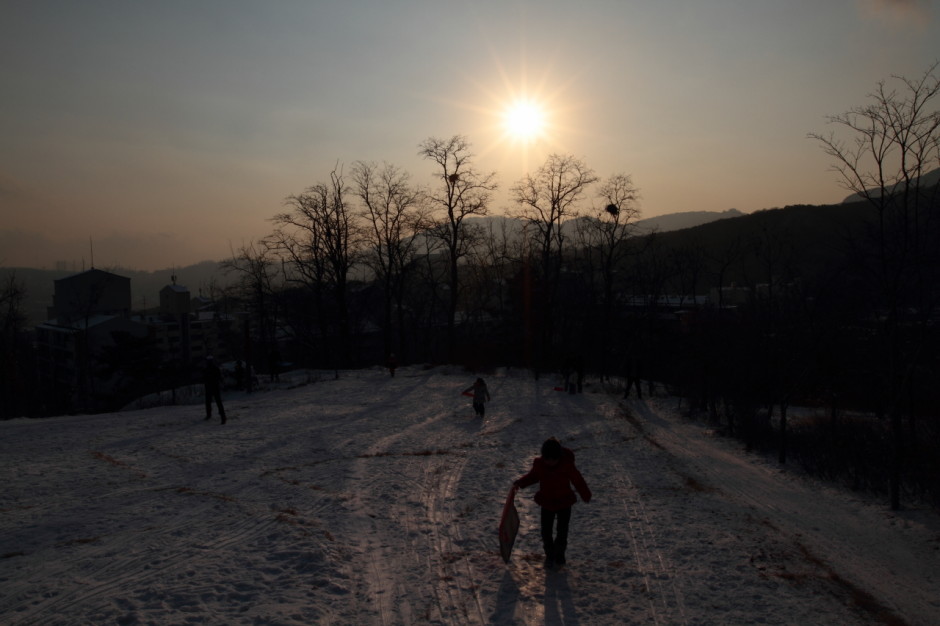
(374,500)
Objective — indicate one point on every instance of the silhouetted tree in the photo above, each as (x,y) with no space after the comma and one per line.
(461,192)
(317,240)
(608,238)
(260,284)
(392,209)
(547,199)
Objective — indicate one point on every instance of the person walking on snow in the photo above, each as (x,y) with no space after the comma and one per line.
(480,395)
(555,472)
(212,380)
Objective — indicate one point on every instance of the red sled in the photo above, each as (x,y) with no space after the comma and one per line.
(508,526)
(469,394)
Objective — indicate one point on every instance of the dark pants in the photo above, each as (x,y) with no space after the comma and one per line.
(214,393)
(479,408)
(555,548)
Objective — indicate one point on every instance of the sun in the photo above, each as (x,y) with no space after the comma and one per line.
(524,120)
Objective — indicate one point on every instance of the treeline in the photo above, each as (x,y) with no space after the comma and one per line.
(367,264)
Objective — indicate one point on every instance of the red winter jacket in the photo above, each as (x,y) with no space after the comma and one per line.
(555,482)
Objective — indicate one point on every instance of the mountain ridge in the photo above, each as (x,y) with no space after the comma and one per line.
(930,179)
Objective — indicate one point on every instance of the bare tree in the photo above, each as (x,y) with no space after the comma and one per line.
(260,276)
(609,231)
(462,192)
(317,240)
(547,199)
(893,142)
(498,260)
(487,302)
(607,237)
(392,211)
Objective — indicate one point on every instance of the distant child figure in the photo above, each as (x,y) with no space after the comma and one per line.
(212,379)
(633,378)
(274,364)
(555,472)
(392,364)
(480,395)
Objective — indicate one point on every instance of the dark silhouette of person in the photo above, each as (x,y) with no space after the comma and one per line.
(633,377)
(481,395)
(555,472)
(212,379)
(274,361)
(566,370)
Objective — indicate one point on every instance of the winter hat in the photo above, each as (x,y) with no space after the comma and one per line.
(551,449)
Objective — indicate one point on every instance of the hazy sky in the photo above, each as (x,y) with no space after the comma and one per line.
(169,131)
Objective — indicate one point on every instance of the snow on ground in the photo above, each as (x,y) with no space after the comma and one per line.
(375,500)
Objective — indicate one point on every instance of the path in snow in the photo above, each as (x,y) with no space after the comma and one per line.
(862,547)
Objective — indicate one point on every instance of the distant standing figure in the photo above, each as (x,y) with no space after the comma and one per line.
(480,395)
(274,363)
(555,472)
(566,370)
(633,378)
(392,364)
(212,379)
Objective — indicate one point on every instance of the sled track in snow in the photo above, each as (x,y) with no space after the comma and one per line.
(666,604)
(102,580)
(375,591)
(661,582)
(154,563)
(389,539)
(446,554)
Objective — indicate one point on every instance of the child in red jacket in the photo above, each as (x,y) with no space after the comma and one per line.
(555,472)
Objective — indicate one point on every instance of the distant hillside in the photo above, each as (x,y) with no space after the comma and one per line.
(814,239)
(690,219)
(930,179)
(660,223)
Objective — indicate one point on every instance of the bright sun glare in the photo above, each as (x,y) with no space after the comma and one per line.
(524,120)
